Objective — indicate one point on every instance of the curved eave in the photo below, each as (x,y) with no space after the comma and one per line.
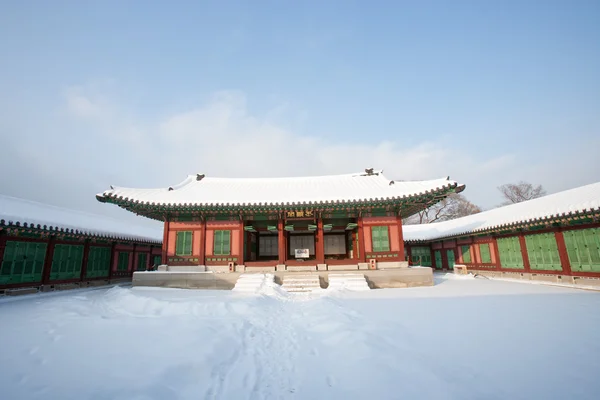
(550,219)
(59,230)
(146,208)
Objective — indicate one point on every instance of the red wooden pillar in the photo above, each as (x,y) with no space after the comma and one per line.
(281,252)
(165,243)
(320,243)
(496,253)
(86,254)
(241,245)
(524,254)
(202,254)
(400,238)
(361,241)
(113,255)
(562,253)
(48,261)
(132,261)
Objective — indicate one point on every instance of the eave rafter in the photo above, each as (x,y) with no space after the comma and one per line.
(403,206)
(548,222)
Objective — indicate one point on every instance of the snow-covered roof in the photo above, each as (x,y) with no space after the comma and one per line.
(26,213)
(198,190)
(571,202)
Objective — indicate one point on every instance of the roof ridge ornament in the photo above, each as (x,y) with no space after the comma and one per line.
(370,172)
(199,177)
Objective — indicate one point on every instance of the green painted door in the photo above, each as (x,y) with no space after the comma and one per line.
(23,262)
(66,262)
(583,248)
(450,256)
(543,252)
(438,259)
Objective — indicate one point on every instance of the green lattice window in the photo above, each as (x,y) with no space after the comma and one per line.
(510,253)
(98,264)
(183,244)
(380,238)
(157,260)
(542,251)
(466,253)
(583,248)
(22,262)
(123,261)
(142,262)
(222,243)
(421,255)
(484,251)
(66,262)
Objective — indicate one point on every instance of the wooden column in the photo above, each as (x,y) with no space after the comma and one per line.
(202,254)
(133,261)
(562,253)
(281,247)
(400,238)
(242,240)
(320,243)
(496,253)
(113,251)
(86,255)
(165,243)
(48,261)
(361,241)
(524,255)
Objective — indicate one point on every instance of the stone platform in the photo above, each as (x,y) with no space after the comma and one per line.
(376,278)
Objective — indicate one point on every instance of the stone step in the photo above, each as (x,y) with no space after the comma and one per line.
(252,283)
(352,281)
(301,283)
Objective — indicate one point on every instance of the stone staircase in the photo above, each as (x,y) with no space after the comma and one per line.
(252,283)
(348,281)
(294,283)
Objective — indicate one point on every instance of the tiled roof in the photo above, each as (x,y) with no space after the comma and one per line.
(572,202)
(27,213)
(197,190)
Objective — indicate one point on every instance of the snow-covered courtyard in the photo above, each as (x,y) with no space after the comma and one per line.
(461,339)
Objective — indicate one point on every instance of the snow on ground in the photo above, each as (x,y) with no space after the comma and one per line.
(461,339)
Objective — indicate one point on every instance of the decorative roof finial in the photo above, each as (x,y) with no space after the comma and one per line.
(199,177)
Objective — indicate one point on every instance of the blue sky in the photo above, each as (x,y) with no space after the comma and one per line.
(135,93)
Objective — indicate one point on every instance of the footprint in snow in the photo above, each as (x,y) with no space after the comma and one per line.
(33,350)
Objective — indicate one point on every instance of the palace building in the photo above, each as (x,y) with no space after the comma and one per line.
(313,222)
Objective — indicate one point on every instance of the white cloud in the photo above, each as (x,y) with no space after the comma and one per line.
(100,142)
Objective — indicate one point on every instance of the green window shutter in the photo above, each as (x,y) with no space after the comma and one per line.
(98,262)
(542,251)
(484,250)
(438,259)
(66,262)
(222,243)
(157,260)
(509,250)
(380,238)
(450,256)
(583,249)
(183,245)
(123,263)
(22,262)
(421,255)
(466,254)
(142,261)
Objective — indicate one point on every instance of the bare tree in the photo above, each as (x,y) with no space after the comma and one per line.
(452,207)
(522,191)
